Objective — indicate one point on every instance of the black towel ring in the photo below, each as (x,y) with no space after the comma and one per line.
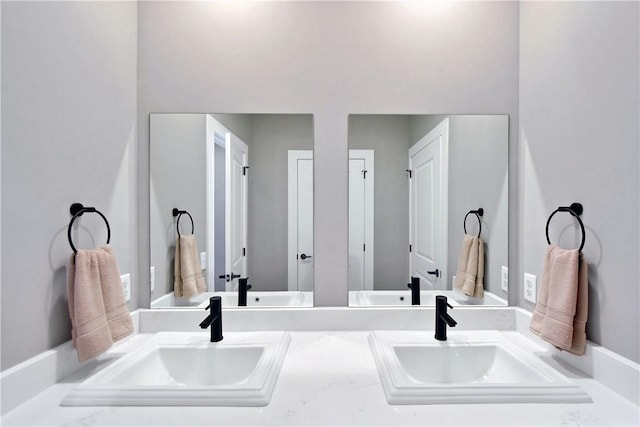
(576,210)
(478,213)
(179,213)
(77,210)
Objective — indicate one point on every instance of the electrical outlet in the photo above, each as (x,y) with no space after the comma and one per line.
(505,278)
(126,285)
(152,278)
(530,287)
(203,260)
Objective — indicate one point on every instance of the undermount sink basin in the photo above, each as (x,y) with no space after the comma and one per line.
(473,367)
(176,368)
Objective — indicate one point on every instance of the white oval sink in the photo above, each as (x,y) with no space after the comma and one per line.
(471,367)
(176,368)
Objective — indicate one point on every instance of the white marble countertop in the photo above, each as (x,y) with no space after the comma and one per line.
(328,378)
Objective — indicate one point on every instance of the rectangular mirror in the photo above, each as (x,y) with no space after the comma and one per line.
(234,194)
(422,188)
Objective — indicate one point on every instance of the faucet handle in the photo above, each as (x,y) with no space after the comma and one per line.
(210,302)
(449,305)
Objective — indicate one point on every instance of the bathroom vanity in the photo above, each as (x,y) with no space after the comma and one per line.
(329,375)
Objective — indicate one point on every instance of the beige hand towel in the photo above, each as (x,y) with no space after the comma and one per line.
(97,307)
(188,280)
(470,271)
(561,311)
(115,304)
(89,326)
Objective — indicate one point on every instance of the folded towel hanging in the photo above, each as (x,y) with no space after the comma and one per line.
(561,312)
(188,279)
(560,316)
(96,301)
(470,272)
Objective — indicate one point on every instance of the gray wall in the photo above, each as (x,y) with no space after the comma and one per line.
(273,136)
(389,137)
(579,110)
(238,124)
(178,180)
(478,172)
(68,135)
(330,59)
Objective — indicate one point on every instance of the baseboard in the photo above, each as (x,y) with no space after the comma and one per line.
(608,368)
(25,380)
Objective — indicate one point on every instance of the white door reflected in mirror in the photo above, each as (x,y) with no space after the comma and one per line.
(236,209)
(428,160)
(224,145)
(300,220)
(361,245)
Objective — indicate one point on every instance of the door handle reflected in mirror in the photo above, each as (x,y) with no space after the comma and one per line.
(227,277)
(304,256)
(435,272)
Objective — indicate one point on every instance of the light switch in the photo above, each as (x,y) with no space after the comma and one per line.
(126,285)
(530,287)
(152,277)
(505,279)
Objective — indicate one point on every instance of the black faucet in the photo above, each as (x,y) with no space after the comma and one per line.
(442,318)
(415,290)
(214,319)
(243,287)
